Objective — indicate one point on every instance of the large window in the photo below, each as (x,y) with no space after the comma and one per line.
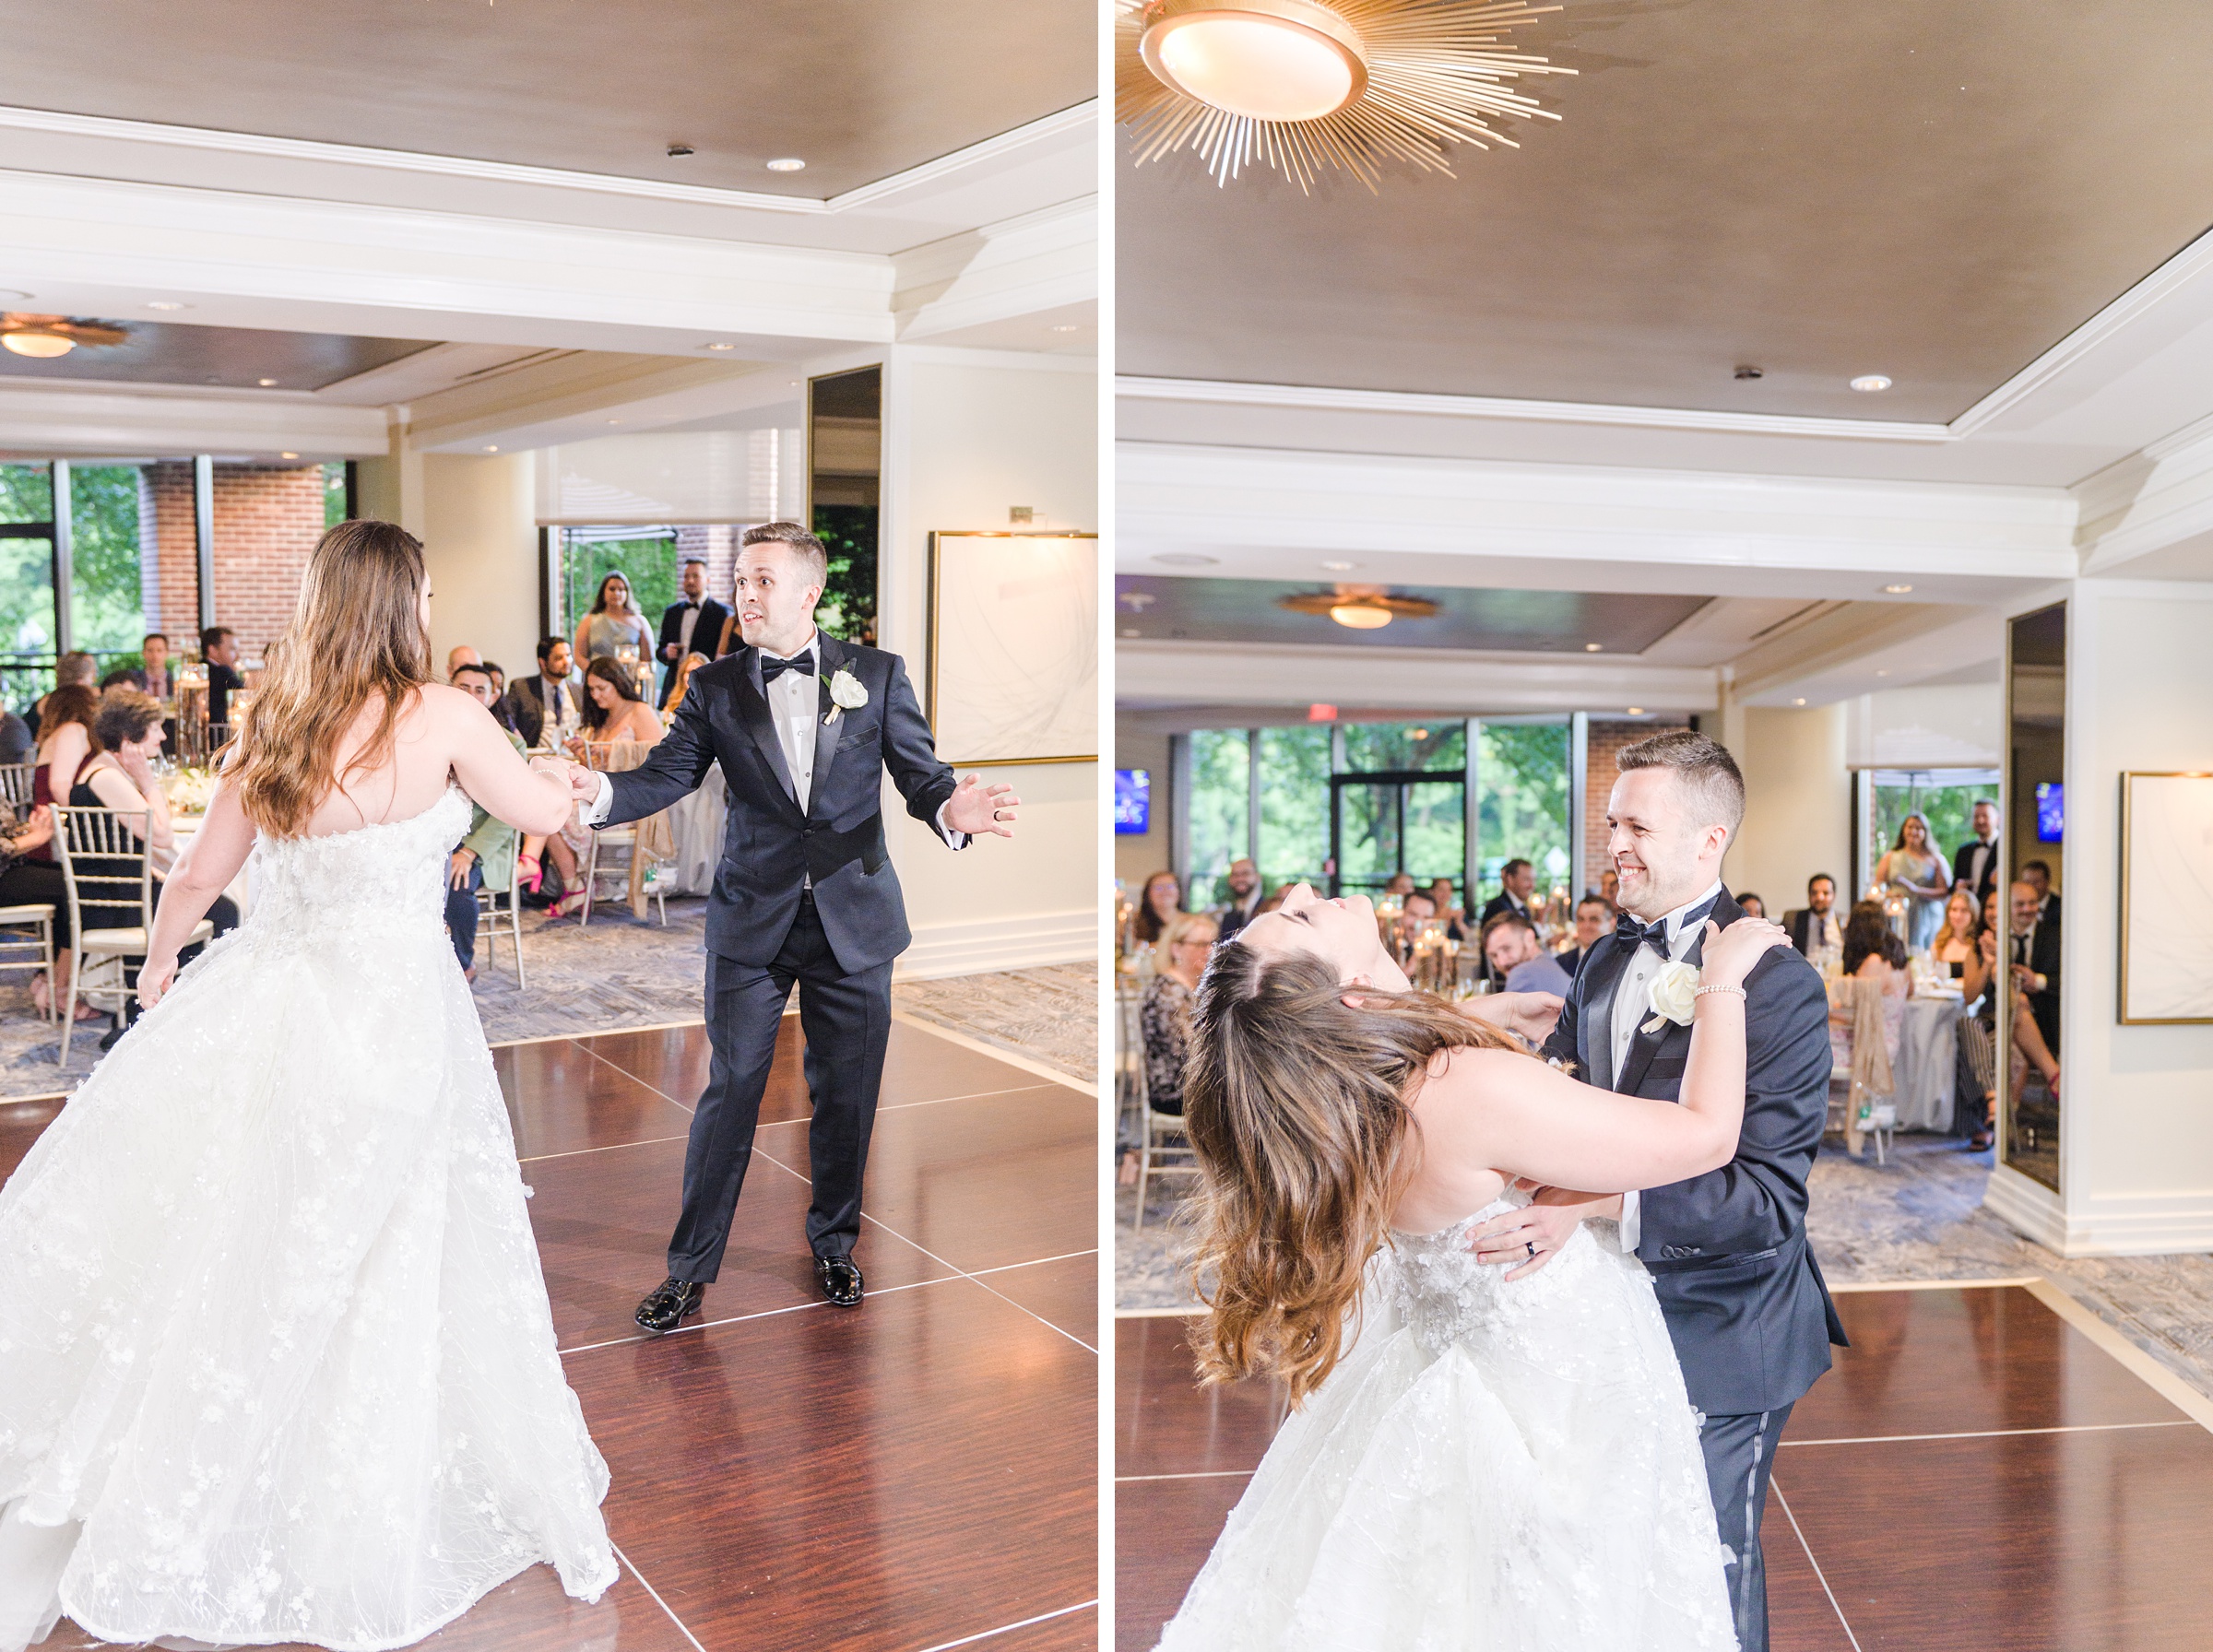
(1943,798)
(106,606)
(646,557)
(1348,807)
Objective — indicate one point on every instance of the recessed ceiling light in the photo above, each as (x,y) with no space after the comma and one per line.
(1341,567)
(1897,590)
(1185,559)
(1592,647)
(265,383)
(614,422)
(1882,673)
(1750,372)
(288,456)
(1065,327)
(1797,703)
(166,304)
(1635,710)
(491,450)
(720,346)
(788,163)
(677,151)
(1871,380)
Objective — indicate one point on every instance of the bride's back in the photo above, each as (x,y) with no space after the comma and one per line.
(411,775)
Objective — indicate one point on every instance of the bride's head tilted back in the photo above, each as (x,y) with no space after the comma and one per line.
(358,635)
(1306,1048)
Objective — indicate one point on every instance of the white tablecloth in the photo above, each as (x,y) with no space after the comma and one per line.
(1927,1051)
(697,822)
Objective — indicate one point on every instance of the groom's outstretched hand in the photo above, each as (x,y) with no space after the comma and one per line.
(977,809)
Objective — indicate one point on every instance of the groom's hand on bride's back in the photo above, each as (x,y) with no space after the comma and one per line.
(977,809)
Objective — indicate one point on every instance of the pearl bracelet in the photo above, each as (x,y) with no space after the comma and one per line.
(1735,991)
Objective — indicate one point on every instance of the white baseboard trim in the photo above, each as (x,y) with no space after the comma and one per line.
(2153,1224)
(942,949)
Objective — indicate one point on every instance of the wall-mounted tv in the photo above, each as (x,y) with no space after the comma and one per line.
(2051,809)
(1133,801)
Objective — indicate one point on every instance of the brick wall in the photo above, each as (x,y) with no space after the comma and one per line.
(718,542)
(1599,774)
(267,518)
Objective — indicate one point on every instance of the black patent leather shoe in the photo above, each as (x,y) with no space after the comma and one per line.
(840,1280)
(669,1304)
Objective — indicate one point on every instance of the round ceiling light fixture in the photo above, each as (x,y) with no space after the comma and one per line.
(1592,647)
(43,337)
(1635,710)
(1309,85)
(43,347)
(1362,616)
(1871,380)
(1359,608)
(1896,590)
(788,163)
(721,346)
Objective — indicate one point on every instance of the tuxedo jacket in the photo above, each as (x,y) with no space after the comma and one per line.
(706,630)
(1963,860)
(1799,924)
(770,846)
(527,699)
(2044,957)
(1745,1300)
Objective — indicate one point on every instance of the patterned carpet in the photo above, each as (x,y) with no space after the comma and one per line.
(621,973)
(1919,1217)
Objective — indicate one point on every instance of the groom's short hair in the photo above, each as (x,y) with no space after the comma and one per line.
(804,545)
(1711,778)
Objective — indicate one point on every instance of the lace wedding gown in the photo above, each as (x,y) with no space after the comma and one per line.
(1494,1467)
(275,1358)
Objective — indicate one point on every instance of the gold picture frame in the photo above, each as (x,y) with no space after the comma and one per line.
(2135,815)
(1010,734)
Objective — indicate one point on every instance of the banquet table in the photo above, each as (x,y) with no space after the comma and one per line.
(697,822)
(1927,1048)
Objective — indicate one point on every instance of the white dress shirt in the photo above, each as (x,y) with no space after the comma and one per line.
(1632,1008)
(794,706)
(1985,849)
(685,627)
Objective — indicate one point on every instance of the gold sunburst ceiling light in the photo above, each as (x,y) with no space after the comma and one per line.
(46,336)
(1359,608)
(1302,86)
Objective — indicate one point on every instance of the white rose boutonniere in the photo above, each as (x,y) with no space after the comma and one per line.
(1672,995)
(846,694)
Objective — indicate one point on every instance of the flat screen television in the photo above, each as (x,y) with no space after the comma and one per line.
(2051,809)
(1133,801)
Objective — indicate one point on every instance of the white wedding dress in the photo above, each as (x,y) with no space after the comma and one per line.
(275,1358)
(1494,1467)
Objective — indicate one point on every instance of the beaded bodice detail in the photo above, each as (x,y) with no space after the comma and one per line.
(1443,1295)
(386,877)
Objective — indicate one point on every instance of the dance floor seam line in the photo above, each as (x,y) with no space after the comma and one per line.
(611,1147)
(942,1262)
(681,1627)
(1127,1480)
(1989,1433)
(1043,1617)
(935,1101)
(1819,1575)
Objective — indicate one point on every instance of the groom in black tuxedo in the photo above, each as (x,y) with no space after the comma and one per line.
(805,728)
(1745,1302)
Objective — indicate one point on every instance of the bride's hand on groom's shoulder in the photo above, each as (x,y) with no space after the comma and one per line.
(1729,955)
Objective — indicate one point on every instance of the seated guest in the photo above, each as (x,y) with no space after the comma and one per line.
(1813,926)
(1244,900)
(503,709)
(122,676)
(1418,909)
(218,648)
(1399,886)
(65,741)
(459,656)
(1159,906)
(485,859)
(690,624)
(2038,875)
(75,669)
(1752,905)
(2035,962)
(1956,946)
(121,776)
(613,709)
(1511,948)
(1441,895)
(1516,882)
(154,676)
(25,881)
(1593,920)
(680,683)
(1609,888)
(15,741)
(1164,1013)
(543,701)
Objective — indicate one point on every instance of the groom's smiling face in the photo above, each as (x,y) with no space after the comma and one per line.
(1663,854)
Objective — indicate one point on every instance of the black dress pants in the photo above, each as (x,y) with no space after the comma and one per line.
(1740,1456)
(847,1022)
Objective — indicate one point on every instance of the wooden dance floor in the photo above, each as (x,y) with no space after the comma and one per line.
(1976,1471)
(918,1473)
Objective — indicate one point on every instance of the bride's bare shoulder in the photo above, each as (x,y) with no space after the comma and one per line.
(1473,1075)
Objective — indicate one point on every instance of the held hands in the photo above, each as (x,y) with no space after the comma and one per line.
(1730,954)
(977,809)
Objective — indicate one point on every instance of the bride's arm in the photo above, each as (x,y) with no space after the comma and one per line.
(1497,1109)
(209,862)
(492,771)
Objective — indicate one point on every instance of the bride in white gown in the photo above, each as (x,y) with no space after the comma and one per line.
(277,1361)
(1495,1465)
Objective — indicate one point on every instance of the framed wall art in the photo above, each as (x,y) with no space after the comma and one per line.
(1014,664)
(2166,897)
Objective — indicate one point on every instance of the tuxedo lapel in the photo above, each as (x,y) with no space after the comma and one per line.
(1644,1046)
(829,655)
(1594,1026)
(760,724)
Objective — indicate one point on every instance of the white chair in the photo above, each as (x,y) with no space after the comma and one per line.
(1165,1150)
(638,871)
(494,918)
(33,952)
(16,783)
(104,865)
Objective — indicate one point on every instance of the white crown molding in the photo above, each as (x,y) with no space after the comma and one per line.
(38,417)
(1317,399)
(884,190)
(1041,261)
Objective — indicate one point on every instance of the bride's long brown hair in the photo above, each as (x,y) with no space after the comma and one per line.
(1299,1107)
(356,636)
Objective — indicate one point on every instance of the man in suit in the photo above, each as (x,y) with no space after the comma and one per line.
(1744,1299)
(805,728)
(2035,945)
(1244,898)
(1975,862)
(1594,919)
(1816,925)
(219,647)
(2039,876)
(541,700)
(153,677)
(1516,882)
(693,625)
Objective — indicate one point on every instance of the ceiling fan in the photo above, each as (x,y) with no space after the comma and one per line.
(46,336)
(1359,608)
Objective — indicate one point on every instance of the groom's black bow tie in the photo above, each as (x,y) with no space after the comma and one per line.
(1639,933)
(772,667)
